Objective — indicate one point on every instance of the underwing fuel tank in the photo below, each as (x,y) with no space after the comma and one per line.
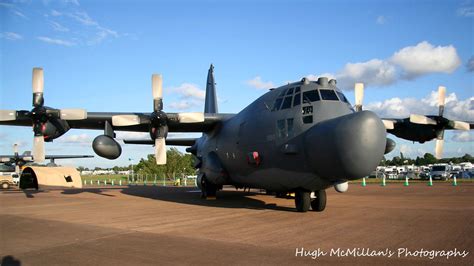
(346,147)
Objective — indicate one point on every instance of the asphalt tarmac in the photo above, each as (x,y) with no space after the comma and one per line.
(169,225)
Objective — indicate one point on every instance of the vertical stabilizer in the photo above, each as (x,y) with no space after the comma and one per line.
(210,105)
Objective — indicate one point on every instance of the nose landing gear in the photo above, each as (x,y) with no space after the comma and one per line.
(316,200)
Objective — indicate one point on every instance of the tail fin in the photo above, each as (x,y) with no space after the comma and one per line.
(210,105)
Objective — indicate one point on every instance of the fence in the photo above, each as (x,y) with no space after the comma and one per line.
(136,179)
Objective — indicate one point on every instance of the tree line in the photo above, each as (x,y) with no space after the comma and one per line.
(427,158)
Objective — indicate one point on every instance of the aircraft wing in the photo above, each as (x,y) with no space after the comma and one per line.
(97,121)
(68,156)
(169,141)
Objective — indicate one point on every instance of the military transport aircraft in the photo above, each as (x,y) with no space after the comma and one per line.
(20,160)
(302,137)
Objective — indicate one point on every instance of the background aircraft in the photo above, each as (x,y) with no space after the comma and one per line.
(302,137)
(20,160)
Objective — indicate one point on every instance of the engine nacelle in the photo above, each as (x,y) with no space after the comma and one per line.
(54,129)
(106,147)
(389,146)
(213,170)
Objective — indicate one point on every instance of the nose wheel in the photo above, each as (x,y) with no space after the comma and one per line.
(208,190)
(318,204)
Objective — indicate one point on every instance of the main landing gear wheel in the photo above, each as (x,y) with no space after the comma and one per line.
(319,203)
(302,201)
(208,190)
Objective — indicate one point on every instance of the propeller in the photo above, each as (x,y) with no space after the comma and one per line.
(41,115)
(439,122)
(157,120)
(359,96)
(359,99)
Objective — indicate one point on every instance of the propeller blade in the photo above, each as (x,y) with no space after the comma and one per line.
(191,117)
(73,114)
(421,119)
(439,148)
(441,99)
(160,151)
(125,120)
(388,124)
(15,149)
(460,125)
(17,169)
(359,95)
(7,115)
(157,86)
(38,80)
(38,149)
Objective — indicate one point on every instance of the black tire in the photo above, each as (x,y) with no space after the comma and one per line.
(319,203)
(208,190)
(5,185)
(302,201)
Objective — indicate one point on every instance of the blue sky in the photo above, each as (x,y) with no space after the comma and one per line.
(99,55)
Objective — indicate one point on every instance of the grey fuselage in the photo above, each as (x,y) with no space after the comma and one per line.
(280,143)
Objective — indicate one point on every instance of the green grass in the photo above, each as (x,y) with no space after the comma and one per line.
(107,180)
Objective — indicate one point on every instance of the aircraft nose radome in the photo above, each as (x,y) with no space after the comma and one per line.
(346,147)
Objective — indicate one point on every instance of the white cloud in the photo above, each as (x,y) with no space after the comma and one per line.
(258,83)
(76,139)
(55,41)
(188,90)
(401,108)
(58,27)
(424,58)
(381,20)
(407,63)
(12,36)
(18,13)
(6,5)
(373,72)
(83,18)
(405,149)
(466,11)
(470,64)
(184,104)
(464,136)
(55,13)
(74,2)
(101,35)
(190,96)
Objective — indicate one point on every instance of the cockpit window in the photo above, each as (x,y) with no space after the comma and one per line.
(290,91)
(342,97)
(286,103)
(283,92)
(297,89)
(328,95)
(297,99)
(310,96)
(277,104)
